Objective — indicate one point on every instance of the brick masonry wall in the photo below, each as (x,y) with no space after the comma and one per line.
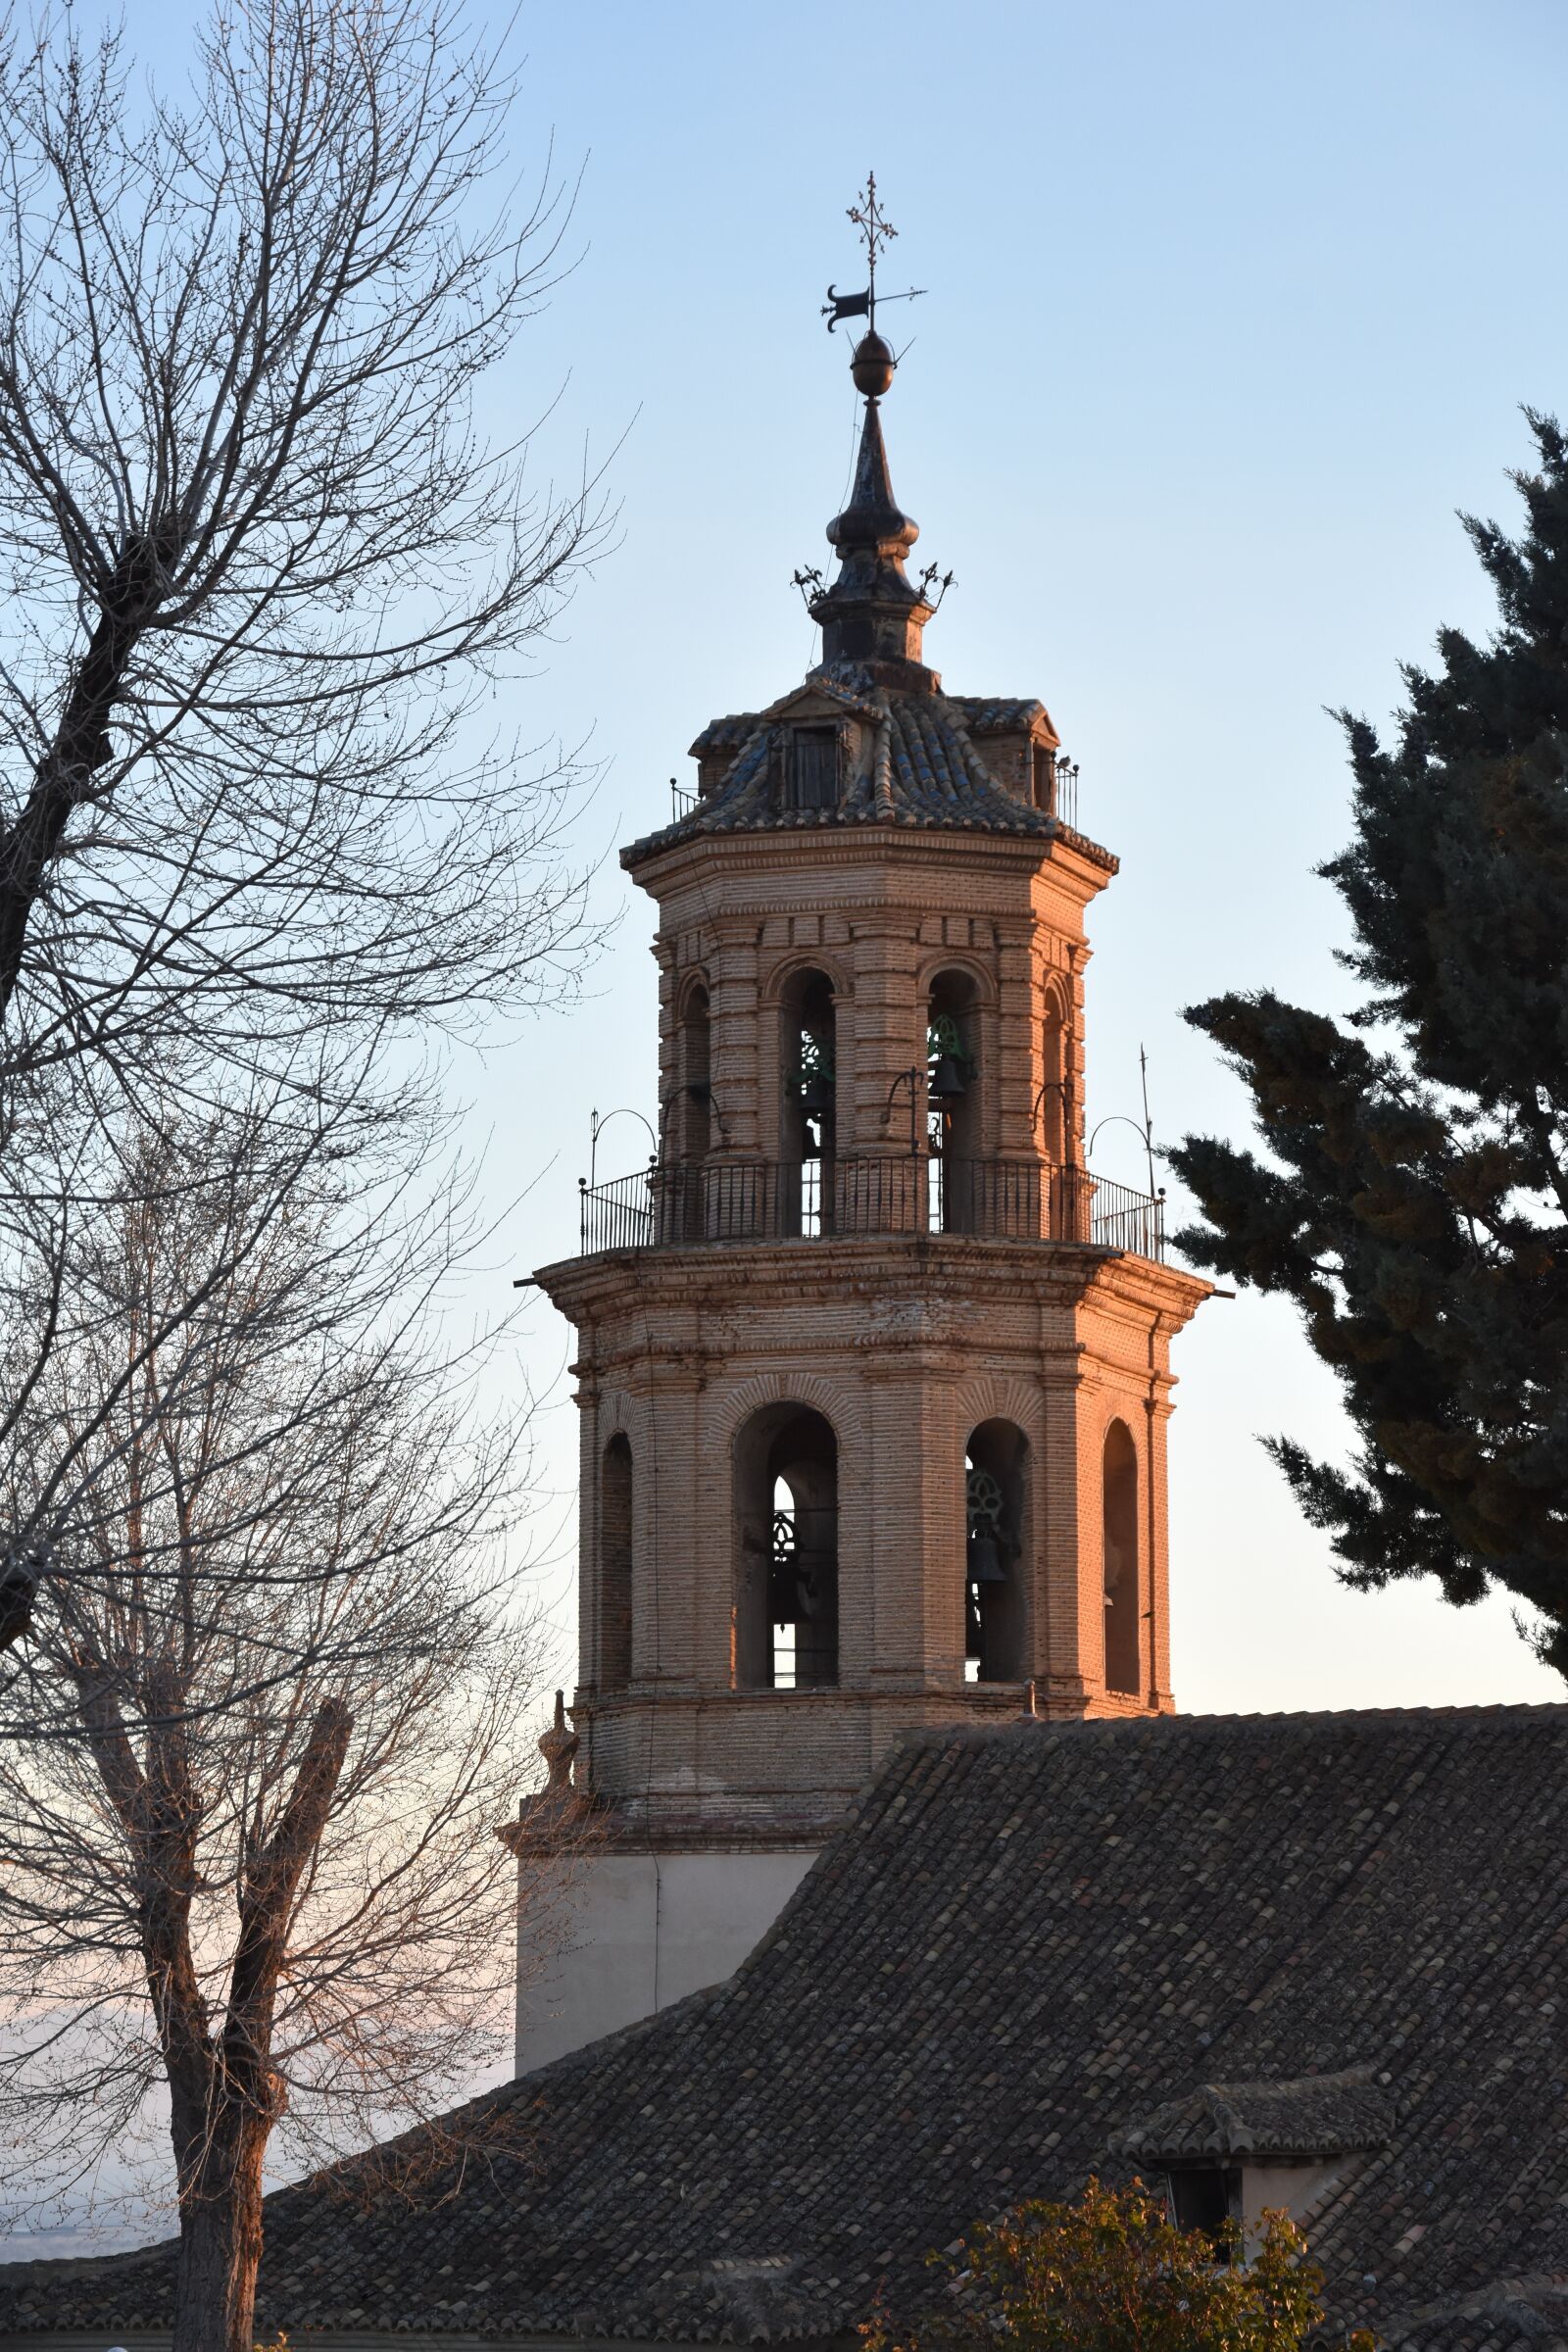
(903,1344)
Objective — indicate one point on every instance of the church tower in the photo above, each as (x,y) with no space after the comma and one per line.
(873,1372)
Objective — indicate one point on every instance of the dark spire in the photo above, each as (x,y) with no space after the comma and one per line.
(873,613)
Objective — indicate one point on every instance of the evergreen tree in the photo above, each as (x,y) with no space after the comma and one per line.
(1414,1198)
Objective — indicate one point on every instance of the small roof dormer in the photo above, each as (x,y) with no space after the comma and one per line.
(1234,2151)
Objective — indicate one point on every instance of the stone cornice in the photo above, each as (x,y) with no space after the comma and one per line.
(955,1267)
(860,846)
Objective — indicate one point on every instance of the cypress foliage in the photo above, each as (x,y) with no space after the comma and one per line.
(1413,1200)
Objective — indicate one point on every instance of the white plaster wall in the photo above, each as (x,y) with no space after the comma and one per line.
(1294,2187)
(645,1930)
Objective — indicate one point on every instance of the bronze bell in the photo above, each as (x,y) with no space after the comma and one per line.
(947,1082)
(817,1095)
(985,1562)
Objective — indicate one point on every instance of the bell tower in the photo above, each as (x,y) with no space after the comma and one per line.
(873,1371)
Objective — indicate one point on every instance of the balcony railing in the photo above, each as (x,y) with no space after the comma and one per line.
(768,1199)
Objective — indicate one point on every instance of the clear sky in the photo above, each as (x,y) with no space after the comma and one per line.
(1230,308)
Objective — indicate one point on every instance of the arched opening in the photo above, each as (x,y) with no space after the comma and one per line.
(808,1113)
(953,1100)
(1123,1584)
(786,1614)
(696,1106)
(615,1564)
(693,1138)
(995,1492)
(1055,1130)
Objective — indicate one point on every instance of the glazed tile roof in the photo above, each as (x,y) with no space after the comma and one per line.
(724,734)
(1025,1942)
(997,715)
(923,771)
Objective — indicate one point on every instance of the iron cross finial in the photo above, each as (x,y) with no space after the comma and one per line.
(875,227)
(877,230)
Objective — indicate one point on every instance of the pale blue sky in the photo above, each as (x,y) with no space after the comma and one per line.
(1230,308)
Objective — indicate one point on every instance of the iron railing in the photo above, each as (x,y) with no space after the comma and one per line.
(1065,790)
(768,1199)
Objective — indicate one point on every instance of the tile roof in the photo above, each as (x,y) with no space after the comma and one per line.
(1024,1940)
(1319,2115)
(998,715)
(724,734)
(924,772)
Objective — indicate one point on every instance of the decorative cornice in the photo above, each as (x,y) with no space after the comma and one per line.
(710,1277)
(839,844)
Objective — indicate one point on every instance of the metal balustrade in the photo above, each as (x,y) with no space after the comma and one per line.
(767,1199)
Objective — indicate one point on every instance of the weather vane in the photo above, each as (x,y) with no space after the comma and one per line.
(877,230)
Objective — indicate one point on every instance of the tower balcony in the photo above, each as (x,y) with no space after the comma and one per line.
(692,1204)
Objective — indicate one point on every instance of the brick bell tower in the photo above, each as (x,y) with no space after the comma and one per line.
(873,1372)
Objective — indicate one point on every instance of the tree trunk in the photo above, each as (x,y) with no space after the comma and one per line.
(220,2242)
(63,775)
(227,2097)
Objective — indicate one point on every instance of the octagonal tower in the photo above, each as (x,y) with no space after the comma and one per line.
(873,1372)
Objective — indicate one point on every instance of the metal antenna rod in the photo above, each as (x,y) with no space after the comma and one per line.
(1148,1124)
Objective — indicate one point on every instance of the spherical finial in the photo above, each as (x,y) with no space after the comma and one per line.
(871,366)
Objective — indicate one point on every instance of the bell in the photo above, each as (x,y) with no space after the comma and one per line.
(985,1562)
(947,1084)
(817,1095)
(783,1597)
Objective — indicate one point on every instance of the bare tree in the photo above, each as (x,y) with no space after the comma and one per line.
(259,567)
(274,1710)
(260,578)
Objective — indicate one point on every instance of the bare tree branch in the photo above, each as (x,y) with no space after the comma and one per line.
(265,1723)
(260,568)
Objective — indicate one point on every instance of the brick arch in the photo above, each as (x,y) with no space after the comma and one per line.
(694,977)
(1018,1400)
(837,1406)
(1055,1119)
(807,960)
(1123,1471)
(1129,1405)
(619,1415)
(617,1462)
(971,991)
(988,992)
(758,1419)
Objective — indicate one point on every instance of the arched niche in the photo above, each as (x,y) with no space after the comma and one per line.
(955,1127)
(996,1490)
(1056,1134)
(786,1605)
(1123,1582)
(694,1134)
(616,1496)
